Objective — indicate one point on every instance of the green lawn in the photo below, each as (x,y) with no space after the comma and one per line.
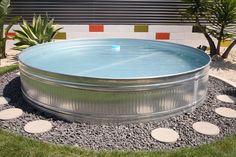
(12,145)
(8,68)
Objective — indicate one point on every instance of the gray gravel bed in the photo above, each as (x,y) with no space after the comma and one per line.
(135,136)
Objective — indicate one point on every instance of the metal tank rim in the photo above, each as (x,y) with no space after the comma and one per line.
(118,79)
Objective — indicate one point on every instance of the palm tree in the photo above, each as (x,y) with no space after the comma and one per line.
(196,11)
(221,17)
(229,14)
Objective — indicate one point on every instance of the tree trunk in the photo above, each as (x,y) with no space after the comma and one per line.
(227,51)
(209,39)
(3,48)
(2,40)
(220,39)
(218,46)
(211,43)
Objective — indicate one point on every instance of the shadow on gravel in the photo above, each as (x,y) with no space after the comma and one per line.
(13,91)
(223,65)
(231,92)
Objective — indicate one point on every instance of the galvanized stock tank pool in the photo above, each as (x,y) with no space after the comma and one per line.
(114,80)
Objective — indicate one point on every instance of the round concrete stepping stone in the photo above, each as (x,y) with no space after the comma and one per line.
(10,113)
(4,100)
(226,112)
(38,126)
(165,135)
(226,98)
(206,128)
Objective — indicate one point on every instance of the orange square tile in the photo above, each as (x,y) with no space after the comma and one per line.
(96,28)
(163,36)
(10,35)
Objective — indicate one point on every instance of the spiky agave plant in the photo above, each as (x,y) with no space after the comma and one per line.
(41,30)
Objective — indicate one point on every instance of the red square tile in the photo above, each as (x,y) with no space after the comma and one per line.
(10,35)
(163,36)
(96,28)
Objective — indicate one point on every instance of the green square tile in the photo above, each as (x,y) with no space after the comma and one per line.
(60,35)
(140,28)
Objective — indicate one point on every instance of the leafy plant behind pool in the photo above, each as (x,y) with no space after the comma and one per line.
(41,30)
(220,17)
(4,11)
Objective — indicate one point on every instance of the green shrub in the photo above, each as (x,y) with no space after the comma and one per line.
(4,11)
(41,30)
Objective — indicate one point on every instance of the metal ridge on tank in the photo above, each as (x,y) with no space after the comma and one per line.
(114,80)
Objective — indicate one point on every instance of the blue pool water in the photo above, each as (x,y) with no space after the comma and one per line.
(114,58)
